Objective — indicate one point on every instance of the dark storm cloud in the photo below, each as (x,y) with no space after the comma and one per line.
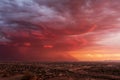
(20,19)
(50,24)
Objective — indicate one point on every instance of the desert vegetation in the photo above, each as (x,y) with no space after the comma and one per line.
(60,71)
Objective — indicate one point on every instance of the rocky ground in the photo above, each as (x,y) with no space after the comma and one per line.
(60,71)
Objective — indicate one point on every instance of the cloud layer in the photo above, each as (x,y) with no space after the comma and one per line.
(43,26)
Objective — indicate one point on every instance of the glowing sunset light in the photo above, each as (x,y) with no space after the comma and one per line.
(60,30)
(96,54)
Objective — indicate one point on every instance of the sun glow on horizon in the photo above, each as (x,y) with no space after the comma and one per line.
(95,55)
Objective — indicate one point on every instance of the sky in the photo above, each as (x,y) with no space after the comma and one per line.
(59,30)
